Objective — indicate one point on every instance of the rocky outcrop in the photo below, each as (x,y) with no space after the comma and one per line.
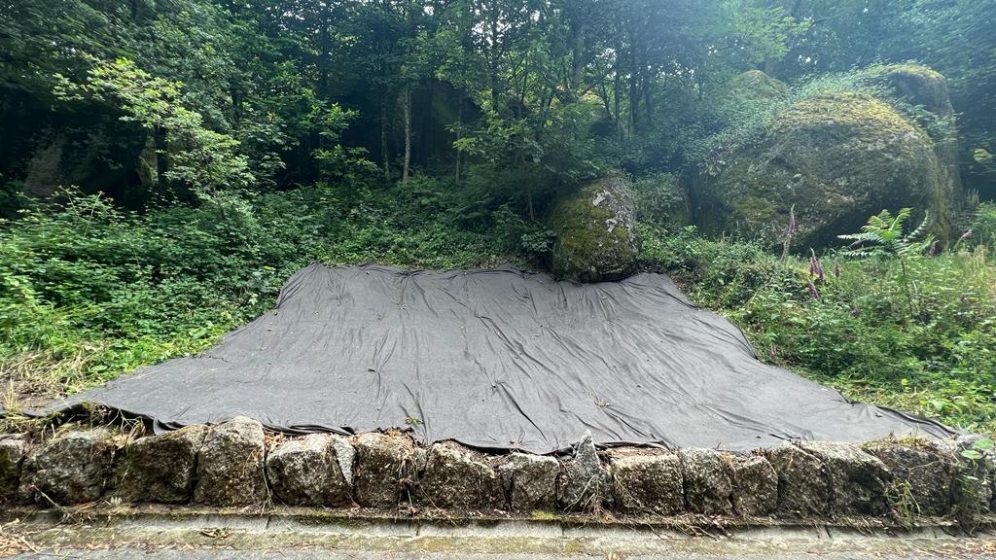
(386,466)
(529,481)
(755,85)
(596,235)
(661,199)
(305,472)
(708,481)
(645,481)
(72,468)
(13,449)
(834,160)
(160,468)
(584,485)
(230,465)
(927,90)
(458,478)
(755,486)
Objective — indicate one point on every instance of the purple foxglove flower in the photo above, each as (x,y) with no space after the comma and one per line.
(813,291)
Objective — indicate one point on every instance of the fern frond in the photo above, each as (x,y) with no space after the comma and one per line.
(922,228)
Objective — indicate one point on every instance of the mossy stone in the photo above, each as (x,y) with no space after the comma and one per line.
(927,89)
(756,85)
(836,159)
(597,239)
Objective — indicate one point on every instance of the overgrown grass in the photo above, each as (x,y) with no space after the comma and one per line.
(923,342)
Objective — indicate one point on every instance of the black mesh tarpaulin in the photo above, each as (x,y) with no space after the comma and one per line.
(498,359)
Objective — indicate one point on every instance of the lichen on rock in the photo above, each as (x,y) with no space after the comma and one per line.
(458,478)
(386,466)
(584,485)
(647,481)
(71,468)
(230,465)
(13,449)
(858,480)
(305,472)
(529,481)
(707,481)
(755,486)
(596,235)
(924,475)
(803,481)
(160,468)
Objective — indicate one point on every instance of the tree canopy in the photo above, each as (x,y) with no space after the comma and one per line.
(143,96)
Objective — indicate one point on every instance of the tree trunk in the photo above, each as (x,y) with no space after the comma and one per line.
(459,134)
(406,170)
(325,48)
(383,137)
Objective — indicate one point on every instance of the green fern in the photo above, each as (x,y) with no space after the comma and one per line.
(883,236)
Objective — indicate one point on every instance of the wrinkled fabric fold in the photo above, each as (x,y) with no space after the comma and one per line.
(497,359)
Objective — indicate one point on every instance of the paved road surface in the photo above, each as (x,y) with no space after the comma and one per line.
(158,536)
(131,554)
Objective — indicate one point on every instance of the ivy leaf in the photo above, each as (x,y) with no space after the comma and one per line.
(971,454)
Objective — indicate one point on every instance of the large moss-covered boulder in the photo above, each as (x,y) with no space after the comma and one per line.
(927,90)
(836,159)
(596,233)
(755,85)
(918,85)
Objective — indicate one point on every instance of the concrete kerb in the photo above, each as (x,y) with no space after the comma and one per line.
(234,464)
(150,527)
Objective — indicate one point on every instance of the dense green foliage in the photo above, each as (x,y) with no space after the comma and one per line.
(167,164)
(856,329)
(515,99)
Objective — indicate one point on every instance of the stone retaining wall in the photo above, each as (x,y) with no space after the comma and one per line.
(237,464)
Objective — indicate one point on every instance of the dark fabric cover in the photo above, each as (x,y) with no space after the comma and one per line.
(497,359)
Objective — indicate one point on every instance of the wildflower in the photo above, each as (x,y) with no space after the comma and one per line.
(813,291)
(816,267)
